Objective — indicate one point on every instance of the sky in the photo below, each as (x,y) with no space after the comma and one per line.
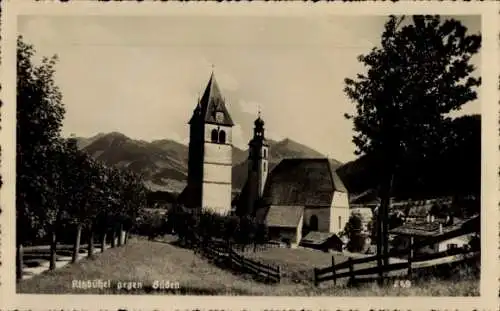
(142,76)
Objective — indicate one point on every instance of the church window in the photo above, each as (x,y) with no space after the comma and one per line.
(214,136)
(340,223)
(222,137)
(264,153)
(264,166)
(313,223)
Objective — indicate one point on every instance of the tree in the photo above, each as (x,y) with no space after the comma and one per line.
(419,74)
(39,119)
(353,231)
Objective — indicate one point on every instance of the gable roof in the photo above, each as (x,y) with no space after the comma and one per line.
(302,182)
(284,216)
(432,229)
(210,103)
(319,238)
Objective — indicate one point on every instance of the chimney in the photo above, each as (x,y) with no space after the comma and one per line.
(440,228)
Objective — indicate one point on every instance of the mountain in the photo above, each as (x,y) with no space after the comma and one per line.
(163,163)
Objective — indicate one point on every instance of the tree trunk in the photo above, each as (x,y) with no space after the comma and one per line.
(90,248)
(76,248)
(53,249)
(383,221)
(103,241)
(125,237)
(19,262)
(120,235)
(113,237)
(385,227)
(379,245)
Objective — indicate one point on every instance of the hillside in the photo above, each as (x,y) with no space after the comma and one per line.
(163,163)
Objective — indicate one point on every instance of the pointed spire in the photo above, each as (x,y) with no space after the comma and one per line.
(212,104)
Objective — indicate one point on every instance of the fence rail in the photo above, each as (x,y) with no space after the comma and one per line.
(412,262)
(225,253)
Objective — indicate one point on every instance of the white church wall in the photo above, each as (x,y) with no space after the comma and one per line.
(217,153)
(217,173)
(217,197)
(340,213)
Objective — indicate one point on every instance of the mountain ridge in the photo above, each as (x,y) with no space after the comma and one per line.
(163,162)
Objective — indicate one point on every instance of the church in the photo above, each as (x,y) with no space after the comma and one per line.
(302,201)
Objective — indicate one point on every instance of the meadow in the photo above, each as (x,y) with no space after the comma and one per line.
(141,262)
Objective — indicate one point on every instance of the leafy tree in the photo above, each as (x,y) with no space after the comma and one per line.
(419,74)
(39,120)
(353,231)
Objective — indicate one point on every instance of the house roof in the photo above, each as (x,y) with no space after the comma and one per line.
(432,229)
(318,238)
(367,197)
(284,216)
(303,182)
(210,103)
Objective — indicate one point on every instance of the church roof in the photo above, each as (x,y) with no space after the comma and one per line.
(303,182)
(210,103)
(284,216)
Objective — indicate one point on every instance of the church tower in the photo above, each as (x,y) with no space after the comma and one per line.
(210,153)
(258,164)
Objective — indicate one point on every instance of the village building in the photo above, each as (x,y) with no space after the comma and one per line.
(209,181)
(297,199)
(460,233)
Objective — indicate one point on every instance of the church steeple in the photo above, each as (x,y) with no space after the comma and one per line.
(210,152)
(212,106)
(258,156)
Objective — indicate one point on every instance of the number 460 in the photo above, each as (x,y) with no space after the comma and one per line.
(402,283)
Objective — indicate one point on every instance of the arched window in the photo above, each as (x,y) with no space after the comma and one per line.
(340,223)
(264,166)
(222,137)
(313,223)
(264,153)
(214,136)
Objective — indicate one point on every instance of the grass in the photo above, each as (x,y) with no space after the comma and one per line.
(297,264)
(145,261)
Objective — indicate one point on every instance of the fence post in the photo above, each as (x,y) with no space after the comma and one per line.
(230,259)
(315,277)
(333,271)
(410,257)
(351,270)
(279,274)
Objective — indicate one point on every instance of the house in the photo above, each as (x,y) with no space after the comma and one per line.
(459,232)
(284,224)
(323,241)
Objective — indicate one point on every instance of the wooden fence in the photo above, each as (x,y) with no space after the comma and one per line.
(412,262)
(224,254)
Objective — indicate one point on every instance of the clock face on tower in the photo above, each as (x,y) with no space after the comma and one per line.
(219,116)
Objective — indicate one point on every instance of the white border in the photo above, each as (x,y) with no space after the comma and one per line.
(490,158)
